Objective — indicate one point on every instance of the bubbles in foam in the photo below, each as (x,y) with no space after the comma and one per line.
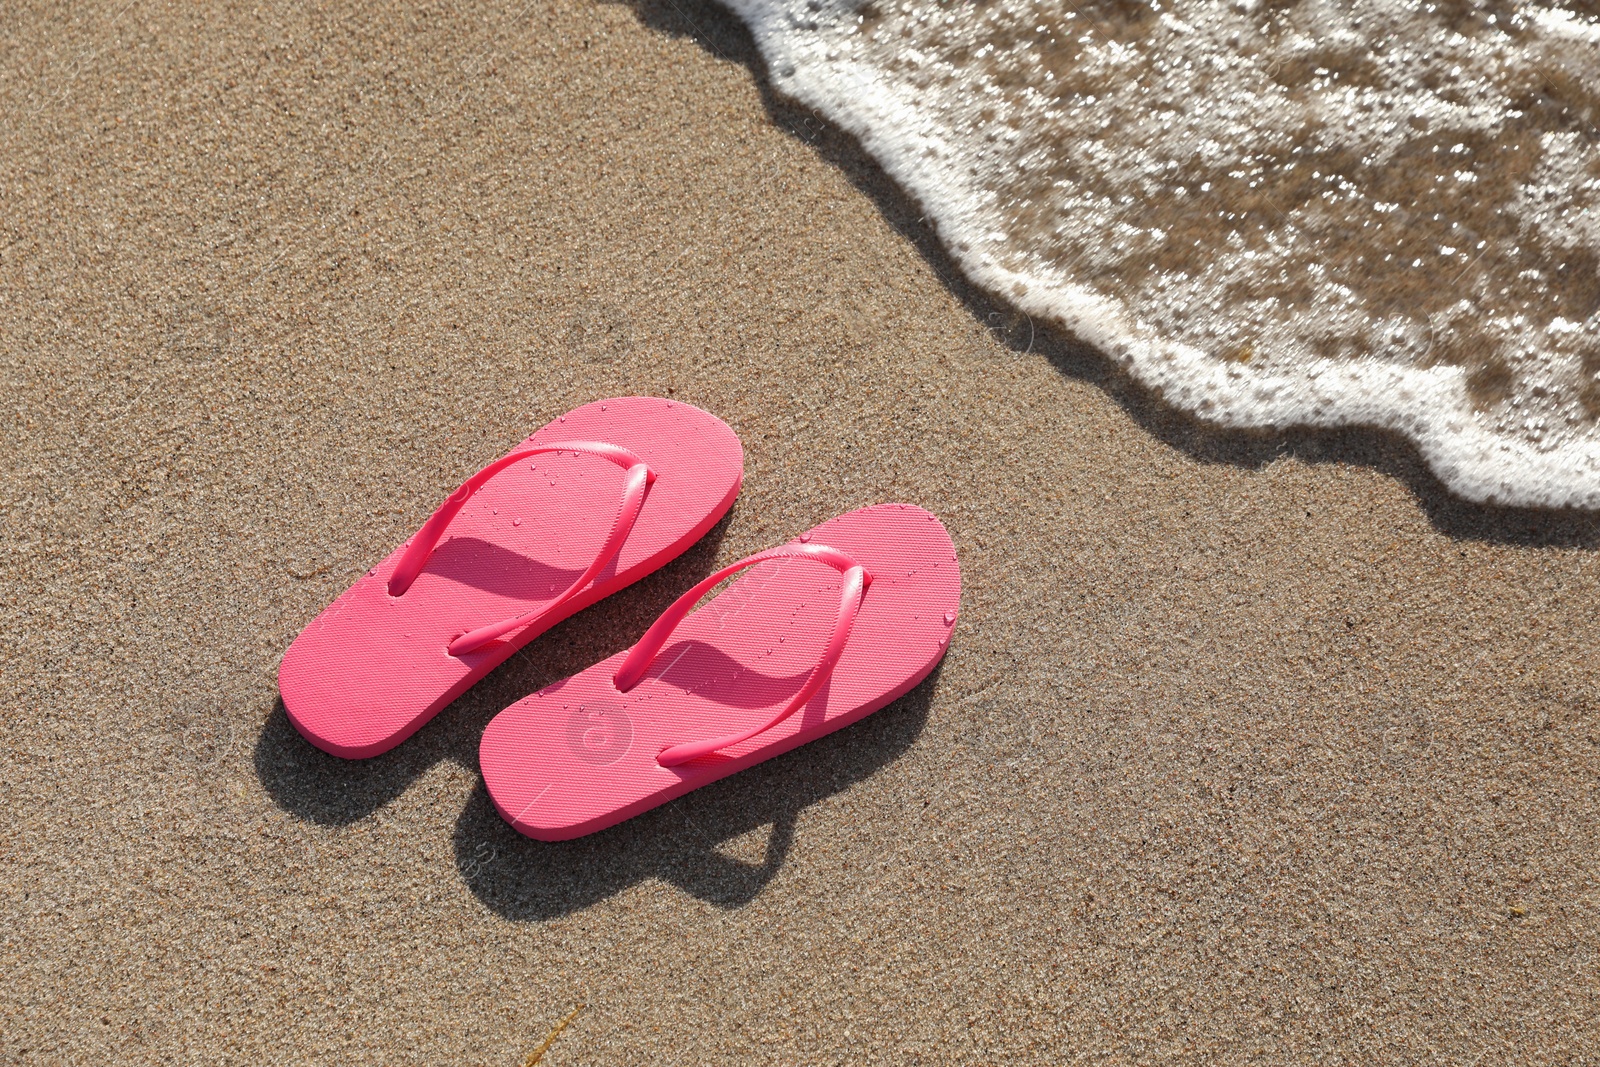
(1273,211)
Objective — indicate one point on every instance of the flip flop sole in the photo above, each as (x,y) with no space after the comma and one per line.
(580,755)
(372,668)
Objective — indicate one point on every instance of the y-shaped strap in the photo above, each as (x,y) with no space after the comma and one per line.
(856,581)
(638,479)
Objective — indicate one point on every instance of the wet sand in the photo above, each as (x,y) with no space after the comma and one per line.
(1248,748)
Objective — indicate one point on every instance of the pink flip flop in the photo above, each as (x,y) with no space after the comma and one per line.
(819,633)
(527,541)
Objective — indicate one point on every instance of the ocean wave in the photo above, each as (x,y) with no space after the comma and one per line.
(1272,212)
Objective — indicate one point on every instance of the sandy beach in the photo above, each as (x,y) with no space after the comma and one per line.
(1248,749)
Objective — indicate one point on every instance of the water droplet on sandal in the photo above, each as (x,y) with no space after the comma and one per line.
(805,537)
(602,407)
(561,418)
(516,522)
(533,466)
(949,618)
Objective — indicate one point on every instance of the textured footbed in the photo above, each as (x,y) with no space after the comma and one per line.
(579,755)
(371,669)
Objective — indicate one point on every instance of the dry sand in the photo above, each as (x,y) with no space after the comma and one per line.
(1248,749)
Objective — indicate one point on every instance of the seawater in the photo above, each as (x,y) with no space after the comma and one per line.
(1272,212)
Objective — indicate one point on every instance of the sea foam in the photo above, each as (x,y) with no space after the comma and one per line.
(1272,212)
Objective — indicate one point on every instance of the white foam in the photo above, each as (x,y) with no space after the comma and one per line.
(964,131)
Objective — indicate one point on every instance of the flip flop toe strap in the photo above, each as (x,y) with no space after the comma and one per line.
(638,660)
(635,485)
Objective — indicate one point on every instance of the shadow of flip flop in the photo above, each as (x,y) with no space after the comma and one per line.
(523,879)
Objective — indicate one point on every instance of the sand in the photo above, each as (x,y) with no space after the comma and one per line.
(1248,748)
